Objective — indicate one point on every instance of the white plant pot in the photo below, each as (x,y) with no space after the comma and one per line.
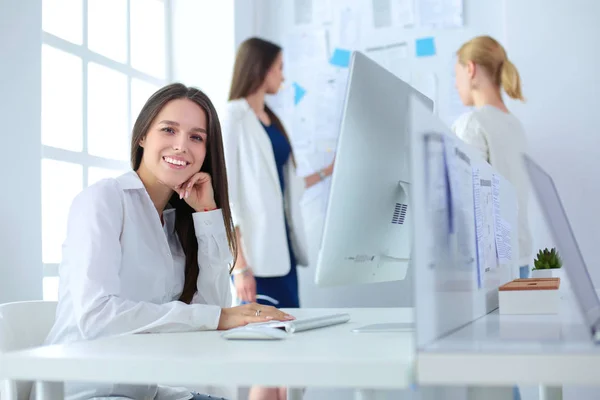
(552,273)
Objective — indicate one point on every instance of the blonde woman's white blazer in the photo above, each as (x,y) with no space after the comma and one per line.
(257,204)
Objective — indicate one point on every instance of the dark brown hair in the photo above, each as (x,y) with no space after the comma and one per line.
(254,58)
(214,165)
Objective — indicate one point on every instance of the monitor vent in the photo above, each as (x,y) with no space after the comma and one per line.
(399,214)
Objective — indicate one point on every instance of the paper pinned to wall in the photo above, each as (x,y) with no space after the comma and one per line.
(303,12)
(426,83)
(303,124)
(294,105)
(303,48)
(346,29)
(404,11)
(382,13)
(440,13)
(393,57)
(322,12)
(283,102)
(301,128)
(502,228)
(329,99)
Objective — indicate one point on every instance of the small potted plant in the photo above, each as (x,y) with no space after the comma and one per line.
(547,265)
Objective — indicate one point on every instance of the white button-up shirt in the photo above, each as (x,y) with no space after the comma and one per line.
(122,272)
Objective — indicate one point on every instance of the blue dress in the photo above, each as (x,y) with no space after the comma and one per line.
(280,291)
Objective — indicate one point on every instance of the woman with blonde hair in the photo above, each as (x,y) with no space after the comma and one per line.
(483,70)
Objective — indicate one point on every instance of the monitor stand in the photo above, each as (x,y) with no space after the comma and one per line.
(389,327)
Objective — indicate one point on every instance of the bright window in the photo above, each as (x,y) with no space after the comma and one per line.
(101,61)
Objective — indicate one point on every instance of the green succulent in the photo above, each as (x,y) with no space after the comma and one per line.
(547,259)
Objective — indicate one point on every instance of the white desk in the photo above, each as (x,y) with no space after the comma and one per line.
(327,357)
(503,350)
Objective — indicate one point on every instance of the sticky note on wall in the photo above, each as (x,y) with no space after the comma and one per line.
(299,93)
(425,47)
(340,58)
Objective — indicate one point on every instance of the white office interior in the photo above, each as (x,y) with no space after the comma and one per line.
(551,42)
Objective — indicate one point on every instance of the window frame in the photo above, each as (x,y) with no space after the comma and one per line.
(87,56)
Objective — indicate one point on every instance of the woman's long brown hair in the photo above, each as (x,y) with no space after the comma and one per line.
(254,58)
(214,165)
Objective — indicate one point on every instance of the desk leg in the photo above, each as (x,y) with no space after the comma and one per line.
(551,393)
(8,390)
(295,393)
(49,390)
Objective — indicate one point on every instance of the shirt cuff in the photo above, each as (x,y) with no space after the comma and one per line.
(206,316)
(208,221)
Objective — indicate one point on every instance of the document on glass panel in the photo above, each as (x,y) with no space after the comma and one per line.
(463,237)
(502,228)
(488,233)
(478,225)
(438,204)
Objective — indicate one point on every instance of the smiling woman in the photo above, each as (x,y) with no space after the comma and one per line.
(175,148)
(150,250)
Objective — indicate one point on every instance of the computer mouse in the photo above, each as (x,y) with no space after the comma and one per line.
(255,333)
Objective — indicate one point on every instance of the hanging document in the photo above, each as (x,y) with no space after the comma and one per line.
(440,13)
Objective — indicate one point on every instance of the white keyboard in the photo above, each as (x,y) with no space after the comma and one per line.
(305,324)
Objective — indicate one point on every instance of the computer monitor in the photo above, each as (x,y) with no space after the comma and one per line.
(367,233)
(560,227)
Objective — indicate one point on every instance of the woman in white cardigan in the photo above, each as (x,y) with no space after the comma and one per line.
(264,189)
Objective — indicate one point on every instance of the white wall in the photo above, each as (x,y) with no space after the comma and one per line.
(554,46)
(245,20)
(20,174)
(203,46)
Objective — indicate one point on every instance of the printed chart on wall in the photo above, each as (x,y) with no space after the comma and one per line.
(316,59)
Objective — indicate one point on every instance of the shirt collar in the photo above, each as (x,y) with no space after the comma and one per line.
(130,180)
